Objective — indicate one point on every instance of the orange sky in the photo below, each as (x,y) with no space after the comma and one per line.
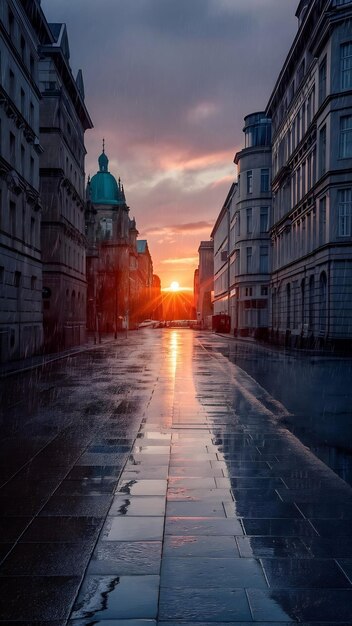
(167,84)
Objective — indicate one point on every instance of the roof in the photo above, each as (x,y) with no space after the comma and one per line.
(103,187)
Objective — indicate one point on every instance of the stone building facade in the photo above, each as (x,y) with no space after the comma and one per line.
(21,320)
(63,120)
(205,287)
(311,229)
(221,238)
(119,267)
(249,241)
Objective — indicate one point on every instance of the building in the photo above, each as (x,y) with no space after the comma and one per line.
(205,286)
(221,239)
(311,227)
(119,268)
(21,320)
(63,121)
(249,239)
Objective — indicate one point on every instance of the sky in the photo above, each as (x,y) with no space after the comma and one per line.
(167,84)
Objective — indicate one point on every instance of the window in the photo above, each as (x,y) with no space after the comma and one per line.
(250,181)
(264,212)
(263,291)
(346,65)
(249,221)
(322,81)
(344,199)
(239,184)
(249,260)
(22,159)
(33,282)
(12,219)
(322,221)
(12,149)
(32,231)
(17,279)
(322,151)
(322,301)
(263,259)
(31,66)
(11,20)
(249,291)
(12,84)
(301,70)
(31,113)
(23,102)
(31,171)
(302,302)
(346,136)
(2,275)
(264,180)
(23,49)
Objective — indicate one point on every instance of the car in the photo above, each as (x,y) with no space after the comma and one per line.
(148,324)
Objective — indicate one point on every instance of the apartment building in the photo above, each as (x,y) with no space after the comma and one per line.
(311,227)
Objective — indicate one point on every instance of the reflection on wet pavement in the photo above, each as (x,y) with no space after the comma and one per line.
(178,492)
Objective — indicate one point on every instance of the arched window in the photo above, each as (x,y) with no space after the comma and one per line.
(73,303)
(322,302)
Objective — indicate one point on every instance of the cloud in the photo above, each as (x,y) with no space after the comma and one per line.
(168,83)
(188,228)
(192,260)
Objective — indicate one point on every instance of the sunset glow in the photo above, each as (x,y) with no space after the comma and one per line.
(174,286)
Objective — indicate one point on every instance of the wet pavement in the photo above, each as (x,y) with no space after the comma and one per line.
(152,481)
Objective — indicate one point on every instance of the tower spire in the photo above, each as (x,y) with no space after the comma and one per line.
(103,145)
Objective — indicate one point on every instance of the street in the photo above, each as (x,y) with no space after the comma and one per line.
(177,477)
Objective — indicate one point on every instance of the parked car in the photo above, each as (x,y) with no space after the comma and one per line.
(149,324)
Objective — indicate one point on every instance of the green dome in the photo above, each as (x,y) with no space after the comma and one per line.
(103,186)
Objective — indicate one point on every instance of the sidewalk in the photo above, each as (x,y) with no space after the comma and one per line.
(23,365)
(220,516)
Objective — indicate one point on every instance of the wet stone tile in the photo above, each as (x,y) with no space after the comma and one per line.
(112,597)
(133,529)
(63,529)
(200,546)
(12,527)
(309,573)
(86,487)
(200,605)
(111,622)
(136,487)
(80,506)
(193,482)
(182,494)
(325,510)
(202,526)
(329,547)
(195,509)
(330,527)
(132,472)
(346,566)
(279,527)
(37,597)
(248,509)
(272,547)
(100,459)
(223,573)
(126,558)
(26,506)
(95,472)
(326,605)
(138,505)
(47,559)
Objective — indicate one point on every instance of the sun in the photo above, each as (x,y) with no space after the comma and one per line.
(175,286)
